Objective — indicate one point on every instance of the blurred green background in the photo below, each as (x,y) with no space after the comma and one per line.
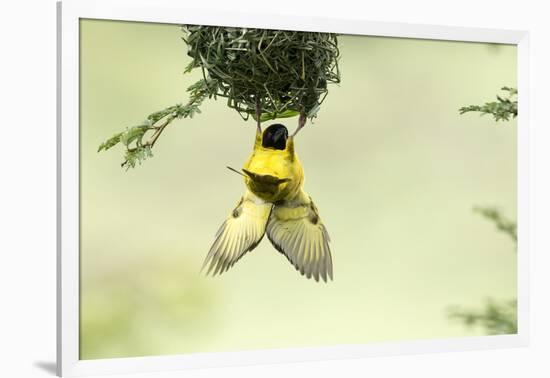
(392,166)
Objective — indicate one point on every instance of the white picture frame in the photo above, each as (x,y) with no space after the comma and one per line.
(173,11)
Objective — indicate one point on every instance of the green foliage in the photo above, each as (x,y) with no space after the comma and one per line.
(496,317)
(266,73)
(503,224)
(138,149)
(502,110)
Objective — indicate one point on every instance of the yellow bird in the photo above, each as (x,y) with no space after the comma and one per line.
(274,203)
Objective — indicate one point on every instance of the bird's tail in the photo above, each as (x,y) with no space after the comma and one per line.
(261,179)
(265,179)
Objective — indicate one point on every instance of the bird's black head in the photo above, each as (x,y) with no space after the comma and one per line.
(275,137)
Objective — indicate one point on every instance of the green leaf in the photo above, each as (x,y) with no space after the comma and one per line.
(111,142)
(136,156)
(270,116)
(133,134)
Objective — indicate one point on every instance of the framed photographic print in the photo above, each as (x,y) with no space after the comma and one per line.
(189,235)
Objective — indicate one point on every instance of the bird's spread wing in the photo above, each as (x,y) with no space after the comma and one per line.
(296,230)
(240,232)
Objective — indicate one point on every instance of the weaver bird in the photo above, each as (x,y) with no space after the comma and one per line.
(274,203)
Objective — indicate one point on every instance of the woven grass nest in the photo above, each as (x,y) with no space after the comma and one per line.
(281,72)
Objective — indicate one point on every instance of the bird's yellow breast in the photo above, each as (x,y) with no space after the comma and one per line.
(283,164)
